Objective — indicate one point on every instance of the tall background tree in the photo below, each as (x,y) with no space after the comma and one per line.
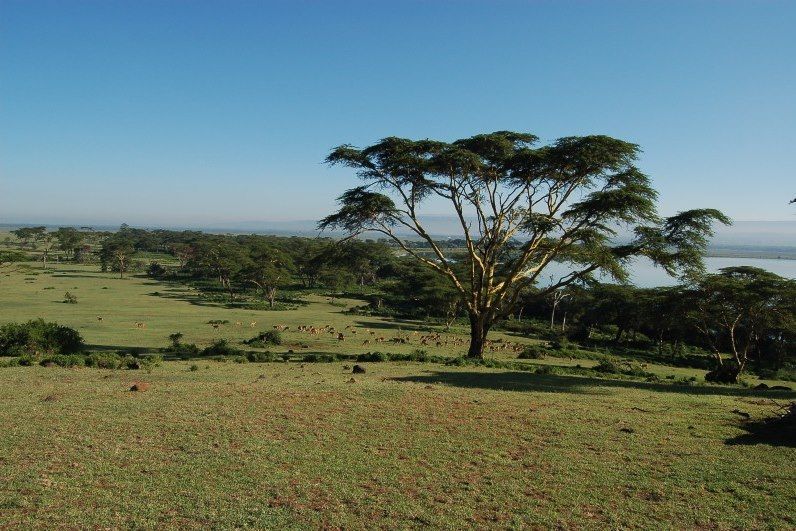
(521,206)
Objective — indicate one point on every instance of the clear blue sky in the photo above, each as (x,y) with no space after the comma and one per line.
(198,113)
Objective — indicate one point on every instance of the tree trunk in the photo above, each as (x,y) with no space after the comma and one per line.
(478,331)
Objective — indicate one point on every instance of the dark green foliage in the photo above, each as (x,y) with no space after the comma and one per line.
(155,270)
(727,372)
(63,360)
(533,352)
(38,336)
(261,357)
(13,256)
(264,339)
(608,366)
(373,357)
(179,349)
(221,347)
(193,368)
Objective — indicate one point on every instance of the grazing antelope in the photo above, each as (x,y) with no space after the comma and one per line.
(366,342)
(238,323)
(253,324)
(99,318)
(340,337)
(140,325)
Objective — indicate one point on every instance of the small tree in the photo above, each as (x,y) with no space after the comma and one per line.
(268,269)
(117,250)
(221,258)
(69,240)
(520,207)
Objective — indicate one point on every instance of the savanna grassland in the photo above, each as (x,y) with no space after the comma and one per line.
(297,445)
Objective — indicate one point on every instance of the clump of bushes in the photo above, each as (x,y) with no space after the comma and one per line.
(261,357)
(724,373)
(13,256)
(533,352)
(38,335)
(263,339)
(155,270)
(63,360)
(608,366)
(180,349)
(69,298)
(221,347)
(373,357)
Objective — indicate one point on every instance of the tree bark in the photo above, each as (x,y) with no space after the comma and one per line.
(478,331)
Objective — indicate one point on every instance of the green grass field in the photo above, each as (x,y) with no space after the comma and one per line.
(292,445)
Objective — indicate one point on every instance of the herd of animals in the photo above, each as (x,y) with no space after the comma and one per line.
(414,337)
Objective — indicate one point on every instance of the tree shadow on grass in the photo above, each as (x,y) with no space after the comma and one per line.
(530,382)
(777,430)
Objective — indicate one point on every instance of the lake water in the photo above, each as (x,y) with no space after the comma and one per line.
(644,274)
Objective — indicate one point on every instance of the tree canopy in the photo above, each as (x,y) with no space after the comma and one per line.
(521,206)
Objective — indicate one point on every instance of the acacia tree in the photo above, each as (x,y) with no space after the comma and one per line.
(69,239)
(117,250)
(521,206)
(221,258)
(736,309)
(268,269)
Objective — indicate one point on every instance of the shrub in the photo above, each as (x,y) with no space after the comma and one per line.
(725,373)
(373,357)
(102,360)
(193,368)
(221,347)
(533,352)
(261,357)
(63,360)
(270,337)
(608,367)
(544,369)
(13,256)
(38,335)
(69,298)
(155,270)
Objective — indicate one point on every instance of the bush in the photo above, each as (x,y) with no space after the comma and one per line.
(102,360)
(69,298)
(608,367)
(271,337)
(221,347)
(63,360)
(193,368)
(261,357)
(38,336)
(373,357)
(155,270)
(544,370)
(532,352)
(725,373)
(13,256)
